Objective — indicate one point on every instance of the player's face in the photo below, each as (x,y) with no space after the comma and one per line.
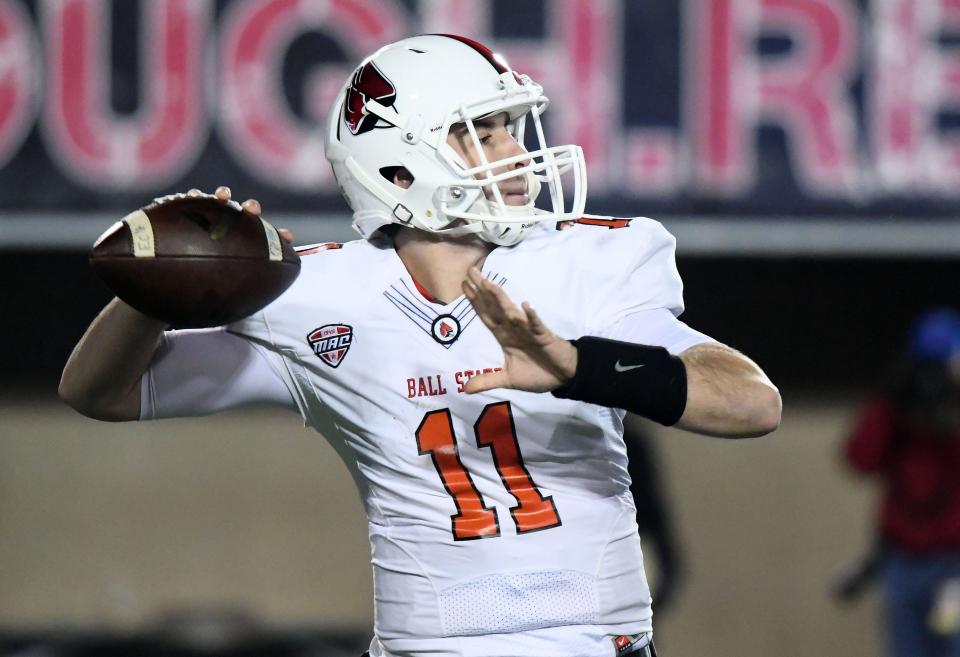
(497,143)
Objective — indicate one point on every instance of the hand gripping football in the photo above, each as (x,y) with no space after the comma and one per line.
(194,261)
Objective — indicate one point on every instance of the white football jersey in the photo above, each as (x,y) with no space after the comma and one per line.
(501,523)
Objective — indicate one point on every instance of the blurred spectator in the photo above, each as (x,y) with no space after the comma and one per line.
(908,436)
(653,515)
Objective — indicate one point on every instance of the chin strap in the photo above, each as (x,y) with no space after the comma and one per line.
(368,222)
(506,233)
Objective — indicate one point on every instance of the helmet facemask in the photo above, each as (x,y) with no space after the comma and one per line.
(474,203)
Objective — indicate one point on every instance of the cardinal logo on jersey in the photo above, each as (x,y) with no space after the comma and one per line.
(368,83)
(445,329)
(444,325)
(331,342)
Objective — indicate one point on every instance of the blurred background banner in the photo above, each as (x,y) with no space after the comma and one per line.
(734,110)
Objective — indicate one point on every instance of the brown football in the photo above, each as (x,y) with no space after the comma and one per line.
(194,261)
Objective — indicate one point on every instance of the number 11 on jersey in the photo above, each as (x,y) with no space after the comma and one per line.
(494,429)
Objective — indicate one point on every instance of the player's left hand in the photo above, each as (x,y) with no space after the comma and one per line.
(534,358)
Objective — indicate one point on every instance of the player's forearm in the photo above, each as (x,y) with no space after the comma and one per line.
(102,376)
(728,395)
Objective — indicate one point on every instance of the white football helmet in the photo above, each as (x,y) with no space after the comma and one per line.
(397,109)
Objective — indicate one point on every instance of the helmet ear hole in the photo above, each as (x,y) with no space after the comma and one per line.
(399,176)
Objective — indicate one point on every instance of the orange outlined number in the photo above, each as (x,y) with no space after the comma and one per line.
(473,519)
(494,429)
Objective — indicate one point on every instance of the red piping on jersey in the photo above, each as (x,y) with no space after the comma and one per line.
(423,291)
(310,250)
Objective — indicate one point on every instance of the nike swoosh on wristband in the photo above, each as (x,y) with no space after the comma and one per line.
(626,368)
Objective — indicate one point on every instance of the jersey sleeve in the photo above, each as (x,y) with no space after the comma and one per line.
(657,327)
(633,269)
(200,372)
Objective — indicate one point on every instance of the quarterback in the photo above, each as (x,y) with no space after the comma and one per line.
(488,454)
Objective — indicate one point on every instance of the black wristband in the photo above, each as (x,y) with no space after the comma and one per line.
(645,380)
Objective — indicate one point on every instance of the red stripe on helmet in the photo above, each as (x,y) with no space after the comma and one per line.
(480,48)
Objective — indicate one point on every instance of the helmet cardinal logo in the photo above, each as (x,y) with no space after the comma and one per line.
(368,83)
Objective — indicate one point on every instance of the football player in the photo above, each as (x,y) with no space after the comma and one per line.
(488,454)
